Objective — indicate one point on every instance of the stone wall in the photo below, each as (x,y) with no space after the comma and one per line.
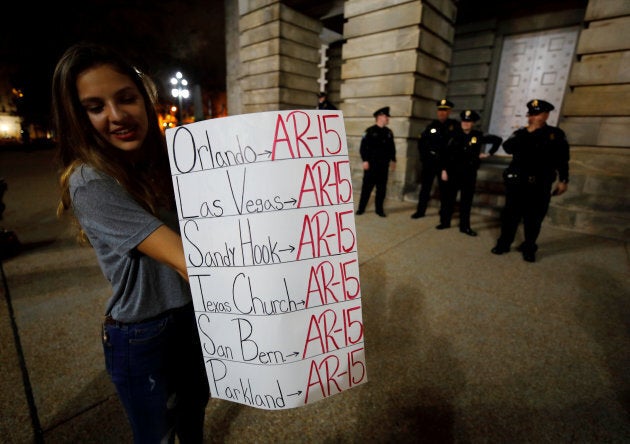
(333,75)
(596,118)
(472,66)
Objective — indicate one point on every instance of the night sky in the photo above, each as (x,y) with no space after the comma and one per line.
(160,36)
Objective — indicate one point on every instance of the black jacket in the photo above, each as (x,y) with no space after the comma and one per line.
(377,147)
(541,154)
(326,105)
(434,139)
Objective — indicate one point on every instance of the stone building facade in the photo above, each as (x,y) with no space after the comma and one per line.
(406,54)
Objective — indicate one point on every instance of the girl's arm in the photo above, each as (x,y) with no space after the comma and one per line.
(165,245)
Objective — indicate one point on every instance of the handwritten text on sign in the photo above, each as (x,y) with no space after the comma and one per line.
(266,217)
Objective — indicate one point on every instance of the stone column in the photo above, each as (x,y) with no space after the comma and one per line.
(233,59)
(397,54)
(278,52)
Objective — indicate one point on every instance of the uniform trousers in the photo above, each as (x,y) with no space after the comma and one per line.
(528,202)
(428,174)
(374,177)
(464,183)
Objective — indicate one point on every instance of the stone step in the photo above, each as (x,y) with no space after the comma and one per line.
(490,193)
(609,224)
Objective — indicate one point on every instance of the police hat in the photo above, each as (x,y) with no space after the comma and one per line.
(444,104)
(468,115)
(536,106)
(322,94)
(384,110)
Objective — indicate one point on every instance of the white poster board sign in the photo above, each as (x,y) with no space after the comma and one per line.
(266,216)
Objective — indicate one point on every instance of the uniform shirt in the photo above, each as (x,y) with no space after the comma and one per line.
(462,151)
(541,154)
(435,137)
(115,224)
(377,147)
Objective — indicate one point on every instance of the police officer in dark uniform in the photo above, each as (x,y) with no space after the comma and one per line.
(377,152)
(461,161)
(540,154)
(432,142)
(323,102)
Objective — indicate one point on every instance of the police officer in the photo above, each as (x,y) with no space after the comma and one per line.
(540,155)
(459,173)
(323,102)
(377,152)
(432,142)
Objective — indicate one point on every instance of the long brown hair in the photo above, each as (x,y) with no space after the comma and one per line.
(148,181)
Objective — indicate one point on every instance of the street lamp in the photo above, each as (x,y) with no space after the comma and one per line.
(179,91)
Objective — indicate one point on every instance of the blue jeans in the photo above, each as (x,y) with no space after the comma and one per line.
(159,374)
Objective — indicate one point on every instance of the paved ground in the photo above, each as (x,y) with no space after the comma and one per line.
(462,345)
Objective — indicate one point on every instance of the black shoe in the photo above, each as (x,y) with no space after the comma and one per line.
(380,213)
(528,256)
(499,250)
(360,212)
(520,247)
(442,227)
(417,215)
(468,231)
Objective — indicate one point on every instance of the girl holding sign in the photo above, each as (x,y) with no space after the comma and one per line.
(115,180)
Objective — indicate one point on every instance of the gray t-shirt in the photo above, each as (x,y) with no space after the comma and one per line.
(115,224)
